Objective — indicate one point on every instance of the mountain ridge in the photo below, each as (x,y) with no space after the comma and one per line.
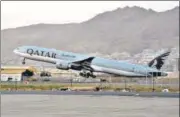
(129,29)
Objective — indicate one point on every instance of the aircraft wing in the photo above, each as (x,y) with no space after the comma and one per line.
(85,63)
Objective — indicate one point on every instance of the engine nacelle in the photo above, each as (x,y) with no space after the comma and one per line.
(63,65)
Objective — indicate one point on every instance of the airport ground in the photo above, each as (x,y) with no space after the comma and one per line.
(87,106)
(58,79)
(88,87)
(45,98)
(65,82)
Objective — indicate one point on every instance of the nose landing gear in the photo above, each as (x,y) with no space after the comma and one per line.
(23,61)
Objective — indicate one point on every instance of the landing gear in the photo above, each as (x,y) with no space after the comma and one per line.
(93,76)
(23,61)
(87,74)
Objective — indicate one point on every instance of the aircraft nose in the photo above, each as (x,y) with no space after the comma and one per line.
(15,50)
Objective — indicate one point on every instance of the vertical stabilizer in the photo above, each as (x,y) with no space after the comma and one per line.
(158,61)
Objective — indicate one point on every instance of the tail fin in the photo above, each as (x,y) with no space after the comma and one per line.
(158,61)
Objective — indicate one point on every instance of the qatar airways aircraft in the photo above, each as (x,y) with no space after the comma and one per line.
(87,65)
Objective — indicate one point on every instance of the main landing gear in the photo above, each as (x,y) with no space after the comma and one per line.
(23,61)
(87,74)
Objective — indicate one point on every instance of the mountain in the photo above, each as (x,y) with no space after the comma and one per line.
(129,29)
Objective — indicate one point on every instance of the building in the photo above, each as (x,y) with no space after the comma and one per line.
(15,73)
(11,77)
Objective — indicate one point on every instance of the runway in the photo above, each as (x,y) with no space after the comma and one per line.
(22,105)
(94,93)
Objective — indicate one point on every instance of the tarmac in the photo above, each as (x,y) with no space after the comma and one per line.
(61,105)
(94,93)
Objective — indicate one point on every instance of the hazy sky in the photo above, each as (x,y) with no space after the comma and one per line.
(21,13)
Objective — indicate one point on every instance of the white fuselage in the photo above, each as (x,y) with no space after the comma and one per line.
(95,67)
(98,64)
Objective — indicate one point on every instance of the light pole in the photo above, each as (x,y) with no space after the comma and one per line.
(153,82)
(125,83)
(110,80)
(16,84)
(71,79)
(146,76)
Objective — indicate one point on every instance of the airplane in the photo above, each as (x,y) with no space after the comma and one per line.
(87,65)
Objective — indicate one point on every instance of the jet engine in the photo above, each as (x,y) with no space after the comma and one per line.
(63,65)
